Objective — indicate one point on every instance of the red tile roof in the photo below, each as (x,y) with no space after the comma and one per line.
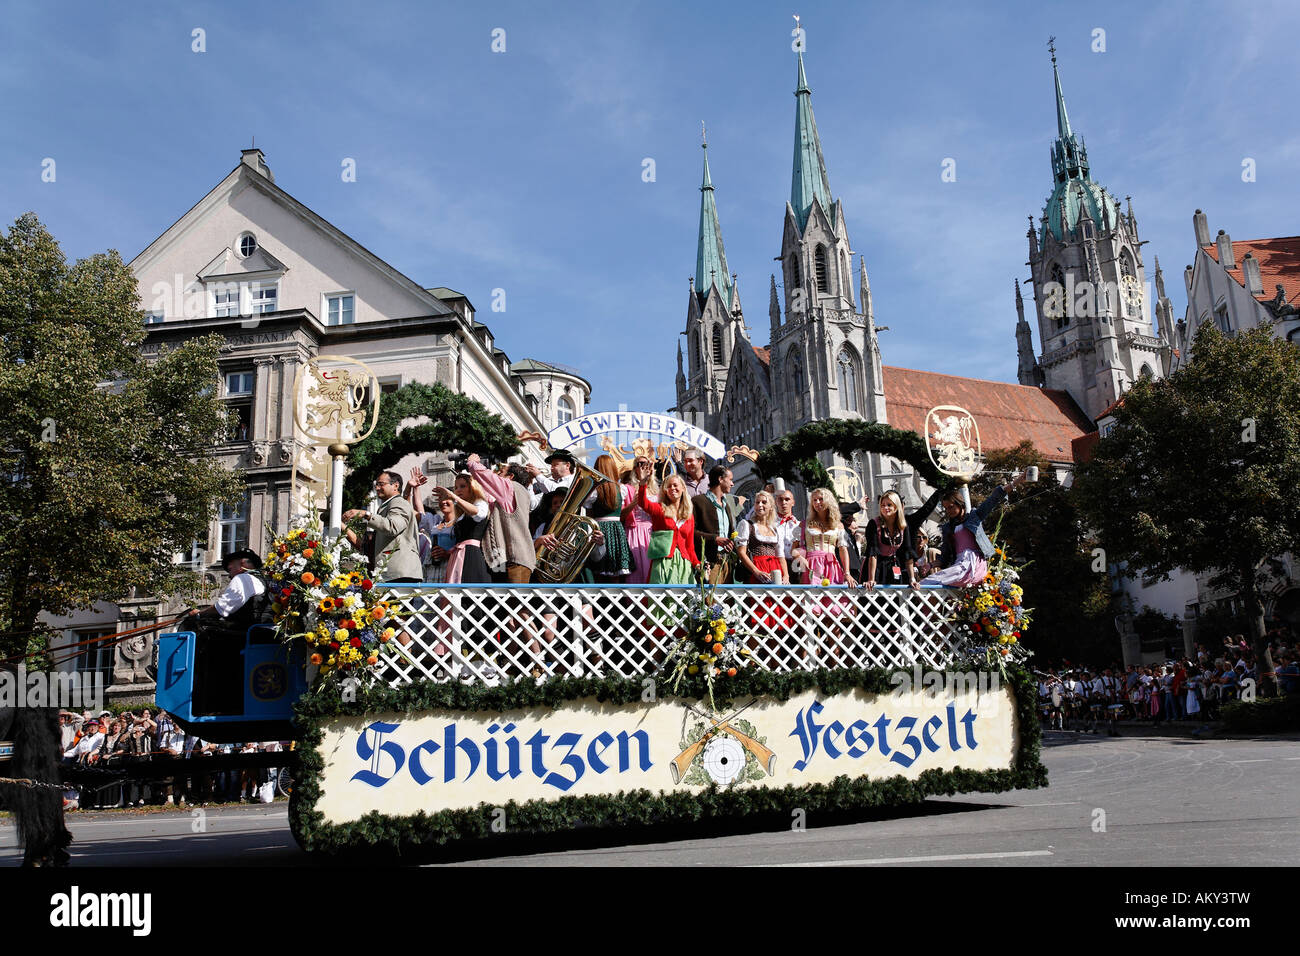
(1006,414)
(1110,408)
(1279,263)
(764,354)
(1084,446)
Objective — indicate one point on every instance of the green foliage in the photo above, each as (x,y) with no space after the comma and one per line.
(1157,631)
(456,422)
(1041,526)
(628,808)
(102,450)
(1262,716)
(1201,469)
(796,453)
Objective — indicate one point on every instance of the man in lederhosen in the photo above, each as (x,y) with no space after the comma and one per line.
(220,631)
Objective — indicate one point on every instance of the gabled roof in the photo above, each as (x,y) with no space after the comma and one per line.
(1006,414)
(1279,263)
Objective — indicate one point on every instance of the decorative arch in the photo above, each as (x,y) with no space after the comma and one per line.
(456,423)
(1058,308)
(796,453)
(717,345)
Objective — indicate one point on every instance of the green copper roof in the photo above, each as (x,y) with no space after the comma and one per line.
(1072,185)
(710,257)
(809,177)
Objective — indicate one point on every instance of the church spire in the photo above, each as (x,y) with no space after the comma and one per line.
(1069,155)
(710,257)
(1062,118)
(808,180)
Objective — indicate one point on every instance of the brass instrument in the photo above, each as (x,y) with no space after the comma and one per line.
(561,563)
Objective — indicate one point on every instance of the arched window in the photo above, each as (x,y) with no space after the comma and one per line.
(848,373)
(819,262)
(846,275)
(563,410)
(794,373)
(1146,372)
(717,345)
(698,358)
(1057,304)
(796,276)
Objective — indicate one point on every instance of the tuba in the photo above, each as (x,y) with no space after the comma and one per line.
(560,564)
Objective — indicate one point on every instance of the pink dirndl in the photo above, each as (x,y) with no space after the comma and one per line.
(970,567)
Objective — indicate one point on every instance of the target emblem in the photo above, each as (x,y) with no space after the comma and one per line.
(724,760)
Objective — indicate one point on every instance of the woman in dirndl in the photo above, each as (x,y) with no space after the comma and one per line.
(672,536)
(637,522)
(606,505)
(966,546)
(828,548)
(759,547)
(891,547)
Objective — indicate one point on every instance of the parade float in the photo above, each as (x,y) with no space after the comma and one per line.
(426,714)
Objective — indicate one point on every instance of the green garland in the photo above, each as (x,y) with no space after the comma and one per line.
(456,422)
(378,831)
(797,452)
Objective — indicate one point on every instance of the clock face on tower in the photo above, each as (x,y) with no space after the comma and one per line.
(1129,288)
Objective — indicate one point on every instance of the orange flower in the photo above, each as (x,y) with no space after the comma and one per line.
(316,659)
(308,553)
(372,660)
(308,578)
(731,672)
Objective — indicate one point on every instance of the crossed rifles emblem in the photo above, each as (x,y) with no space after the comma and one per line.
(682,762)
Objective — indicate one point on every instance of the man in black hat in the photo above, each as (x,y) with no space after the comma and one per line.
(561,476)
(220,631)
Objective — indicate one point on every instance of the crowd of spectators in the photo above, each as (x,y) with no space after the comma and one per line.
(107,741)
(1194,688)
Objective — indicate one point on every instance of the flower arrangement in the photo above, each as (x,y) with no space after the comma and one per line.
(711,641)
(990,616)
(322,593)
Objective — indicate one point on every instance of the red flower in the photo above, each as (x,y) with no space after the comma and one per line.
(334,645)
(311,544)
(367,584)
(286,591)
(348,623)
(355,642)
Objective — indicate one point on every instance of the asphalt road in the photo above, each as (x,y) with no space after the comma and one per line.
(1126,801)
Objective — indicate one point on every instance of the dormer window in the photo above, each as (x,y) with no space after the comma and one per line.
(247,245)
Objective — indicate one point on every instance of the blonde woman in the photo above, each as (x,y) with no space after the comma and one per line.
(466,564)
(891,545)
(828,547)
(759,545)
(672,536)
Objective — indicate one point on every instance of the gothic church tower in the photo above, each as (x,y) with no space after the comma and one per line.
(1089,284)
(825,360)
(714,322)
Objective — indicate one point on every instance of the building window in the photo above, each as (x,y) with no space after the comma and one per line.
(563,410)
(233,523)
(263,298)
(819,262)
(796,276)
(1221,318)
(239,388)
(848,373)
(239,383)
(153,318)
(225,299)
(796,382)
(717,345)
(339,310)
(1056,305)
(95,658)
(247,244)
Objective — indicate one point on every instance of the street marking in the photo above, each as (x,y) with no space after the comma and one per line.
(917,859)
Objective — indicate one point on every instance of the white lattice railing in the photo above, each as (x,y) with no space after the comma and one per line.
(490,633)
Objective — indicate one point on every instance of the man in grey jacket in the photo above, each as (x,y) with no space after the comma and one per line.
(395,526)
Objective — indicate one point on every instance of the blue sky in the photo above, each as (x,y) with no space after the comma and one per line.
(523,170)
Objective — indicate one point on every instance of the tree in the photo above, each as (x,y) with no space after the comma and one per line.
(455,422)
(1201,469)
(1041,525)
(102,471)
